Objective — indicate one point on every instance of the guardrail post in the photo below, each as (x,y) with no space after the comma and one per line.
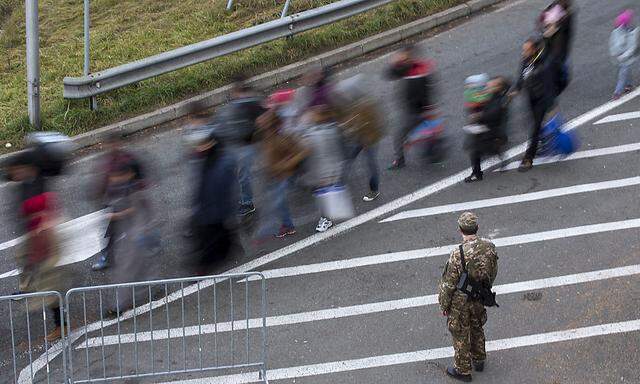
(93,101)
(33,62)
(285,9)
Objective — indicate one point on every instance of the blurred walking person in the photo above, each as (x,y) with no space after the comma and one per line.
(556,25)
(535,78)
(325,163)
(491,115)
(361,124)
(283,155)
(417,95)
(134,233)
(215,203)
(113,159)
(39,254)
(623,47)
(235,126)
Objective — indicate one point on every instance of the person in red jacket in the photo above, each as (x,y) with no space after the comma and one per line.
(418,80)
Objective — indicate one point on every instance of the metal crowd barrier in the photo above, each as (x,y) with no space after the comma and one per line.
(129,334)
(27,316)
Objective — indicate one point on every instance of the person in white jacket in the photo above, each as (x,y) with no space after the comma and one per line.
(623,45)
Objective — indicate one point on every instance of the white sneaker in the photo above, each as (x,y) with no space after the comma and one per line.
(324,224)
(371,196)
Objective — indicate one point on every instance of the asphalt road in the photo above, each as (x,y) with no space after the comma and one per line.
(355,304)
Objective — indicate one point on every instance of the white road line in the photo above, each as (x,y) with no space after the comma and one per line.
(520,198)
(419,356)
(56,348)
(358,310)
(618,149)
(79,238)
(619,117)
(423,253)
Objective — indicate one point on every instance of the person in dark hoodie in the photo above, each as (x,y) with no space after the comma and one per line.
(417,95)
(537,80)
(556,27)
(114,158)
(215,203)
(235,126)
(493,115)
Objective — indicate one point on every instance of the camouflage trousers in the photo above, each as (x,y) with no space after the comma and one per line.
(465,324)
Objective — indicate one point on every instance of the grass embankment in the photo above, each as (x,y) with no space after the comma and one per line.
(126,30)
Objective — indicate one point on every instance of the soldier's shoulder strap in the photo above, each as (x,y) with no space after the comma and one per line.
(463,263)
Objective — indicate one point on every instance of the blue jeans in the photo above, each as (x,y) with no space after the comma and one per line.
(624,78)
(371,156)
(280,208)
(246,156)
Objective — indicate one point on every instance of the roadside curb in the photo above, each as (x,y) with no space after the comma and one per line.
(280,75)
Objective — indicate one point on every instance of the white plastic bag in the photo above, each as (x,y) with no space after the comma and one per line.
(335,202)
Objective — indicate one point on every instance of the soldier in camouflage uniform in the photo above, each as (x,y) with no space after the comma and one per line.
(465,318)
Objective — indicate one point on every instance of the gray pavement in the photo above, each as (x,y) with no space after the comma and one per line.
(374,320)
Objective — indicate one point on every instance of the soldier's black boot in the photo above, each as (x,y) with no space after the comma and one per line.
(478,366)
(452,372)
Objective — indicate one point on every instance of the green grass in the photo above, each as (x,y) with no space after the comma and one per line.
(126,30)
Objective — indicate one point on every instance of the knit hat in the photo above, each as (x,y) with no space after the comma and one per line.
(624,19)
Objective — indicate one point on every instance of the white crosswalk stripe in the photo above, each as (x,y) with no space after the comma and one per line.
(513,199)
(590,153)
(425,355)
(424,253)
(357,310)
(619,117)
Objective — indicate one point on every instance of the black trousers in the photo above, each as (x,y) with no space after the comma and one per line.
(476,157)
(214,243)
(539,109)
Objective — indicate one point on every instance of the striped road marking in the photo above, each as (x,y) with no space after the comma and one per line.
(578,155)
(513,199)
(420,356)
(444,250)
(619,117)
(355,310)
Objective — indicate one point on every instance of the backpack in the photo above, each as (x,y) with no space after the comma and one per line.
(479,291)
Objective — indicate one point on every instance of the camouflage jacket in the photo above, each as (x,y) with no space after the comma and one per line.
(482,265)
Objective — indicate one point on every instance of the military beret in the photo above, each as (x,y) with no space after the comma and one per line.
(468,221)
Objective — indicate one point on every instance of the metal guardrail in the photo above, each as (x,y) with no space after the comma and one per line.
(225,329)
(130,73)
(26,316)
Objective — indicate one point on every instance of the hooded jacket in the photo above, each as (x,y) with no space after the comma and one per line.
(623,44)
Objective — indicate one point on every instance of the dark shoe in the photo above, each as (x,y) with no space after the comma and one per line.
(478,366)
(286,231)
(452,372)
(246,209)
(525,166)
(397,164)
(628,89)
(100,264)
(473,178)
